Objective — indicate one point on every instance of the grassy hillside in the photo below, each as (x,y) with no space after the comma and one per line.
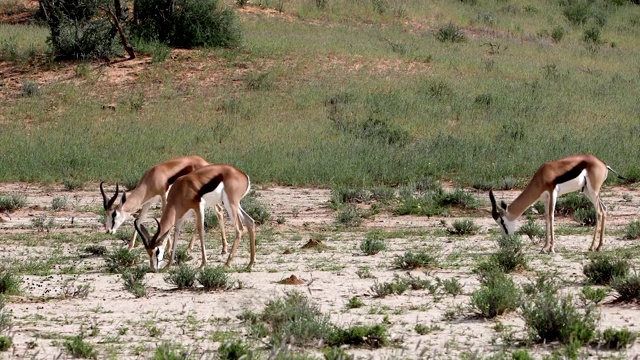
(326,92)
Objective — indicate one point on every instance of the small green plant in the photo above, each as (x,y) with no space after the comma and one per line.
(71,184)
(603,267)
(627,287)
(497,294)
(258,211)
(372,244)
(463,227)
(349,215)
(98,250)
(364,272)
(169,351)
(374,336)
(77,347)
(12,202)
(234,350)
(336,353)
(557,33)
(30,88)
(59,203)
(426,329)
(593,295)
(5,342)
(214,278)
(592,35)
(182,256)
(618,339)
(632,231)
(120,259)
(411,260)
(354,303)
(259,81)
(210,219)
(133,279)
(532,230)
(182,276)
(451,286)
(585,217)
(450,33)
(397,287)
(9,282)
(40,223)
(509,257)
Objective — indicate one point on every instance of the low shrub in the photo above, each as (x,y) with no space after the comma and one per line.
(133,279)
(9,282)
(12,202)
(374,336)
(411,260)
(214,278)
(181,276)
(463,227)
(618,339)
(234,350)
(5,343)
(632,231)
(349,215)
(450,33)
(79,348)
(258,211)
(120,259)
(497,294)
(603,267)
(397,287)
(627,287)
(372,244)
(532,230)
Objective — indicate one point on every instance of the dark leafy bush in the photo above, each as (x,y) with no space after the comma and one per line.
(509,257)
(373,336)
(411,260)
(258,211)
(78,29)
(450,33)
(603,267)
(5,343)
(214,278)
(12,202)
(618,339)
(627,287)
(79,348)
(497,294)
(463,227)
(181,276)
(133,279)
(120,259)
(632,231)
(187,23)
(349,215)
(396,287)
(234,350)
(9,282)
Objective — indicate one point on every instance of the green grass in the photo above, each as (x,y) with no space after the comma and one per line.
(395,77)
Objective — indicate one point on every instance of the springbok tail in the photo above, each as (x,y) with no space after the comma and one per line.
(613,171)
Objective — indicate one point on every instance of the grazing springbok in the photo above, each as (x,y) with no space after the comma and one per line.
(154,183)
(212,184)
(584,173)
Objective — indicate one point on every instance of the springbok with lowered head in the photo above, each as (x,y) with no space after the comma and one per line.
(155,183)
(212,184)
(584,173)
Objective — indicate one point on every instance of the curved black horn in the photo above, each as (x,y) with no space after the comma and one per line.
(494,210)
(155,237)
(142,231)
(113,199)
(104,196)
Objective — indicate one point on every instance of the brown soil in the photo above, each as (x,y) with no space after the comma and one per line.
(291,280)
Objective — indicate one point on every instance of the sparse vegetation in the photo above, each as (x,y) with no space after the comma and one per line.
(12,202)
(603,267)
(214,278)
(79,348)
(627,287)
(133,279)
(632,231)
(497,294)
(463,227)
(372,244)
(182,276)
(411,260)
(120,259)
(9,282)
(617,339)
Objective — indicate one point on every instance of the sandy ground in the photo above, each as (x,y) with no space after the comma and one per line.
(124,327)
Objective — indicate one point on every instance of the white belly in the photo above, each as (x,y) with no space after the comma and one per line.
(575,184)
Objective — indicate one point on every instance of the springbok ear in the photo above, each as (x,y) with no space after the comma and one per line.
(503,205)
(143,232)
(494,210)
(124,197)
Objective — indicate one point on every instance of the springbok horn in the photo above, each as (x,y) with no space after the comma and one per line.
(113,199)
(155,237)
(104,196)
(494,210)
(142,231)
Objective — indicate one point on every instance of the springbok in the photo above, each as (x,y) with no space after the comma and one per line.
(584,173)
(212,184)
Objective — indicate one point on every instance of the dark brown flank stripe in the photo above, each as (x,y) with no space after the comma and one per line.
(209,187)
(183,171)
(571,174)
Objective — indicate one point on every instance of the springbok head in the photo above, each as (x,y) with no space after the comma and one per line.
(115,215)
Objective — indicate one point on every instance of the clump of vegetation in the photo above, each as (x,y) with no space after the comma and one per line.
(632,231)
(234,350)
(182,276)
(627,287)
(9,282)
(593,295)
(532,230)
(618,339)
(71,184)
(397,287)
(349,215)
(214,278)
(551,316)
(133,279)
(411,260)
(372,244)
(497,294)
(182,256)
(98,250)
(120,259)
(12,202)
(434,202)
(59,203)
(451,286)
(354,303)
(344,195)
(509,257)
(374,336)
(258,211)
(77,347)
(450,33)
(426,329)
(169,351)
(603,267)
(463,227)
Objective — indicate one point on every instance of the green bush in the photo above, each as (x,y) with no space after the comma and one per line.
(12,202)
(181,276)
(618,339)
(397,287)
(592,295)
(5,343)
(410,260)
(603,267)
(632,231)
(372,244)
(78,29)
(627,287)
(509,257)
(120,259)
(169,351)
(373,336)
(354,303)
(59,203)
(133,279)
(258,211)
(557,33)
(550,316)
(532,230)
(463,227)
(9,282)
(349,215)
(214,278)
(450,33)
(78,348)
(497,295)
(234,350)
(182,256)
